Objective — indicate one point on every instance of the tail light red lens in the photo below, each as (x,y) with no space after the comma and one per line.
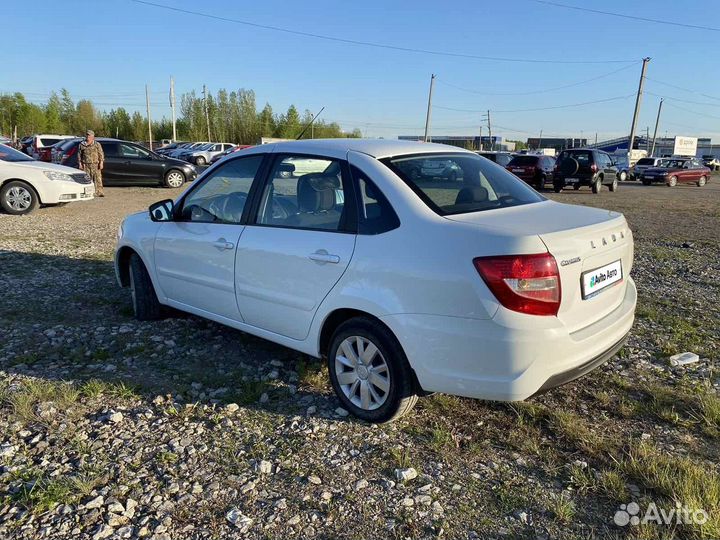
(594,168)
(524,283)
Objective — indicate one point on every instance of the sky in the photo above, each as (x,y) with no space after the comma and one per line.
(109,50)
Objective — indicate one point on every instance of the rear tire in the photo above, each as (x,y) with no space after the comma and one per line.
(200,161)
(701,181)
(558,187)
(146,306)
(646,182)
(540,183)
(613,187)
(597,185)
(18,198)
(576,186)
(376,386)
(672,181)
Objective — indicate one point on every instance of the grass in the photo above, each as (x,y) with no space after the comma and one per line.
(24,400)
(313,374)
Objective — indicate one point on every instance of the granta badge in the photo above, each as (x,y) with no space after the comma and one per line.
(568,262)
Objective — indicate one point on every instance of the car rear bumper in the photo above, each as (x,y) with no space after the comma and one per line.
(487,360)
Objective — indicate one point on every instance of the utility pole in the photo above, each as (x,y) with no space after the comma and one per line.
(147,104)
(207,113)
(172,107)
(429,108)
(480,146)
(540,141)
(638,101)
(647,138)
(657,123)
(492,142)
(596,138)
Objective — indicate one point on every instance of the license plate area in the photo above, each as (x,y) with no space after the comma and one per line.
(593,282)
(572,180)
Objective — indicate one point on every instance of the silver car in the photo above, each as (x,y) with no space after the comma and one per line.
(203,155)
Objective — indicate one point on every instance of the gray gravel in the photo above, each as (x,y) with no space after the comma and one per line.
(112,428)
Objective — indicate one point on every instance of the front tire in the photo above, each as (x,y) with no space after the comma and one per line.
(701,181)
(200,161)
(646,182)
(672,181)
(369,371)
(623,176)
(18,198)
(146,306)
(174,179)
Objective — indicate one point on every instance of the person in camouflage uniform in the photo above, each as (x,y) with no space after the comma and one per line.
(91,160)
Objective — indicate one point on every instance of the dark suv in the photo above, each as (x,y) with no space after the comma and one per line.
(534,169)
(585,167)
(130,163)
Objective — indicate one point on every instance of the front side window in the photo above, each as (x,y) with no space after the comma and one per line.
(221,198)
(303,193)
(12,155)
(467,183)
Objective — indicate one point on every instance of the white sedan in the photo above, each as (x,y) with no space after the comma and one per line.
(26,183)
(476,286)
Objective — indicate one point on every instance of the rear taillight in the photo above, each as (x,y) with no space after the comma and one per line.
(524,283)
(593,168)
(70,153)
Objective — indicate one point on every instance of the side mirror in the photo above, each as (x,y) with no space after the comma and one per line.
(162,210)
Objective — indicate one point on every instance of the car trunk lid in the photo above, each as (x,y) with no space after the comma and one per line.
(582,240)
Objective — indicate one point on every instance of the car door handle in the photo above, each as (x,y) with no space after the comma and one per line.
(323,256)
(221,244)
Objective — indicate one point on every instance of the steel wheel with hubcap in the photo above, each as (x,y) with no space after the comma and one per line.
(614,185)
(18,198)
(672,181)
(701,181)
(369,371)
(174,179)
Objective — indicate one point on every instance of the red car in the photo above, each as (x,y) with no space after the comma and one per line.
(677,170)
(534,169)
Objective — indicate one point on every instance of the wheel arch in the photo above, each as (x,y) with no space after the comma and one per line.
(338,316)
(122,263)
(28,184)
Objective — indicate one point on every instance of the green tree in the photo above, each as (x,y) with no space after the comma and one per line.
(53,115)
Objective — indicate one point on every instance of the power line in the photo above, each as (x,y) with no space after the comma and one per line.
(683,89)
(536,91)
(685,100)
(539,108)
(624,16)
(373,44)
(693,112)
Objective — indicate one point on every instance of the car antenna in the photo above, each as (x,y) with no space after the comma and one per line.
(309,124)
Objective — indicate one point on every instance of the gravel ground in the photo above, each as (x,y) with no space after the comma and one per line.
(111,428)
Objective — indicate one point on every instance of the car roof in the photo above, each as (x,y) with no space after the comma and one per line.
(378,148)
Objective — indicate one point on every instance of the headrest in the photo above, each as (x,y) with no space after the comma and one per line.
(316,192)
(286,167)
(472,195)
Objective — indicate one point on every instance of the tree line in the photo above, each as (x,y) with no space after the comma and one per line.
(233,117)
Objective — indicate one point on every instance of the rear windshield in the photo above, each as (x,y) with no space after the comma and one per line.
(524,160)
(49,142)
(583,158)
(646,161)
(461,183)
(65,145)
(12,155)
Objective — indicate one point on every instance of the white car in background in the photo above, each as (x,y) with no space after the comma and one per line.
(478,287)
(26,183)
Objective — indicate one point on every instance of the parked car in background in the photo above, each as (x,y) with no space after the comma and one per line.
(536,170)
(230,151)
(40,142)
(25,143)
(623,167)
(642,165)
(711,162)
(59,154)
(491,292)
(578,167)
(203,155)
(179,151)
(26,183)
(170,147)
(130,163)
(675,171)
(501,158)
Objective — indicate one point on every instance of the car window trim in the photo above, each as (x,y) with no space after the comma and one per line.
(261,173)
(348,221)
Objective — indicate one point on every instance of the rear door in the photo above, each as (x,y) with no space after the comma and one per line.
(297,245)
(112,166)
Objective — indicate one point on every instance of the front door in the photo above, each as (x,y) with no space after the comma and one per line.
(195,253)
(138,164)
(297,245)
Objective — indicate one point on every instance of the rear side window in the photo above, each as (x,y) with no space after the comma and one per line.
(49,142)
(461,183)
(375,214)
(110,148)
(646,161)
